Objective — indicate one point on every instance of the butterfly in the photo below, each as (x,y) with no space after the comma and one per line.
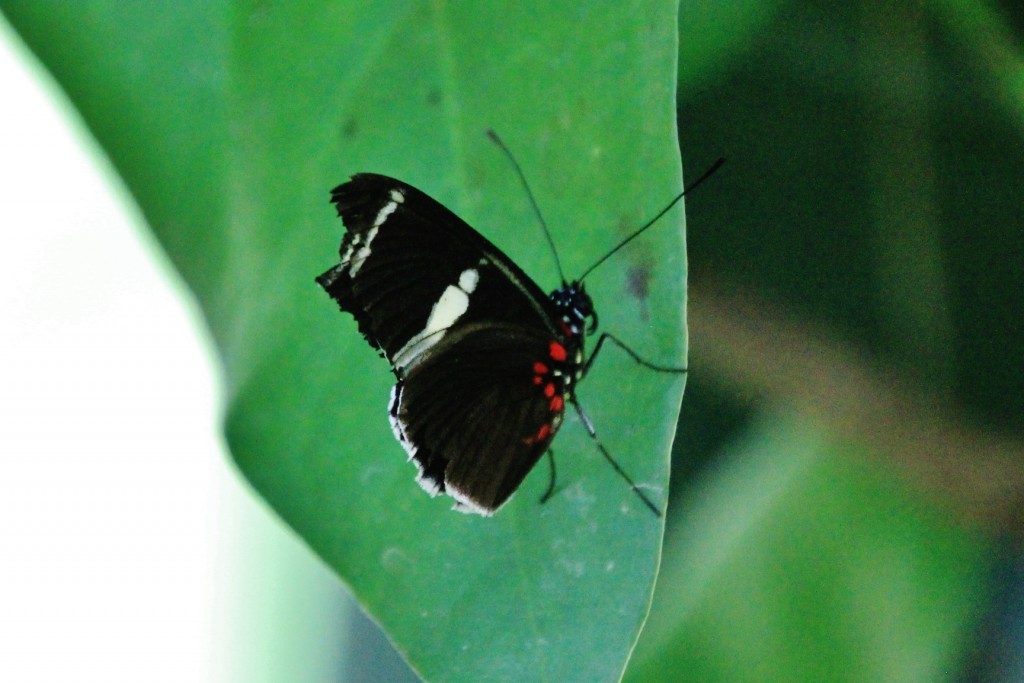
(485,361)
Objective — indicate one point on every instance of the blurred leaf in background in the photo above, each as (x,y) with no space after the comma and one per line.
(849,470)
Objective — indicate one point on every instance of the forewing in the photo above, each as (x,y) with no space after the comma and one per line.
(479,412)
(408,263)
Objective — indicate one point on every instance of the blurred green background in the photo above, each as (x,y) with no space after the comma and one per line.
(855,321)
(848,474)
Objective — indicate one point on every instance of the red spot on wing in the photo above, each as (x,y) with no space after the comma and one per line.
(542,433)
(556,401)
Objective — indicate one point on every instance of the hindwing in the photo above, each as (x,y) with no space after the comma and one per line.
(479,412)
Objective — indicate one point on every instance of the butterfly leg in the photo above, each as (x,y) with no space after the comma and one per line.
(608,456)
(633,354)
(551,484)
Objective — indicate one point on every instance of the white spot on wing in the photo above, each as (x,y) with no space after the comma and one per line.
(353,242)
(468,280)
(397,426)
(363,252)
(449,308)
(358,250)
(452,305)
(383,214)
(465,504)
(427,484)
(414,348)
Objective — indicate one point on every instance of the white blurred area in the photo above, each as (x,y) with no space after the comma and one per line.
(131,551)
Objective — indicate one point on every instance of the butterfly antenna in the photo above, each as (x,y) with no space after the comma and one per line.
(707,174)
(533,202)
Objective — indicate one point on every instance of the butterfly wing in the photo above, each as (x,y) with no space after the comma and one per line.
(466,332)
(411,269)
(479,412)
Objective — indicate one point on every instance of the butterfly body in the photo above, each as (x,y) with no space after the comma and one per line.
(485,362)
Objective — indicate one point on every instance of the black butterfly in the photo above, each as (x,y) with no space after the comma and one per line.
(485,361)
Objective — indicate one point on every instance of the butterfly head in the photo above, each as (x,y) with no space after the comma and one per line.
(576,308)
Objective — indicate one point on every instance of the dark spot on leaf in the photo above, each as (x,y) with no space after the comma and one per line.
(434,97)
(350,127)
(638,280)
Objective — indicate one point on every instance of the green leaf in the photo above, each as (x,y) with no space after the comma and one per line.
(230,123)
(797,561)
